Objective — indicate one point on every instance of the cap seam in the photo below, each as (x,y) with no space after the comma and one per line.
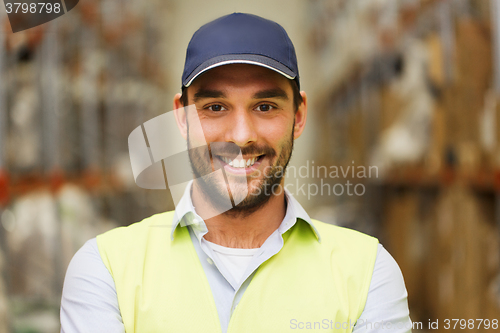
(284,36)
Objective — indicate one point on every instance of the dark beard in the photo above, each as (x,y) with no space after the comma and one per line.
(202,163)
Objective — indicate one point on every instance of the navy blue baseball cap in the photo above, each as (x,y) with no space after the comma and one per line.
(240,38)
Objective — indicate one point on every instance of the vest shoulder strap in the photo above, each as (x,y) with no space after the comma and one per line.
(355,253)
(128,240)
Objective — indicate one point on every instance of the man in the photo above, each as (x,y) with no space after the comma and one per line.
(260,264)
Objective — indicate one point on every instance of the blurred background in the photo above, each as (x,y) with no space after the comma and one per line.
(408,88)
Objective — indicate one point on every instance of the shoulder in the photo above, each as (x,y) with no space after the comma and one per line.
(352,256)
(387,296)
(132,241)
(345,246)
(86,261)
(335,229)
(341,237)
(387,275)
(89,302)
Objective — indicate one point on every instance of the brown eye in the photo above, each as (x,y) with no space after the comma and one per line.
(216,107)
(265,107)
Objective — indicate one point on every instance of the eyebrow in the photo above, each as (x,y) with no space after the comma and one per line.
(271,93)
(268,93)
(207,93)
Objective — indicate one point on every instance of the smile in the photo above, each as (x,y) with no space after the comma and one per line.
(242,163)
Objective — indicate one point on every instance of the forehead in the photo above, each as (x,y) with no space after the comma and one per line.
(240,77)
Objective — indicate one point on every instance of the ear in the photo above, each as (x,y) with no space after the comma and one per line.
(300,116)
(180,115)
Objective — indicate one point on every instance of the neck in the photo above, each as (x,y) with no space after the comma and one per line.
(246,231)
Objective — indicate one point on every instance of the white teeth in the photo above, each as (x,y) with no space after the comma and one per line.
(239,163)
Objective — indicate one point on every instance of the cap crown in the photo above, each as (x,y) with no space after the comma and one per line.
(240,38)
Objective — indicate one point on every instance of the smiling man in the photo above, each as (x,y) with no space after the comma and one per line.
(260,264)
(251,109)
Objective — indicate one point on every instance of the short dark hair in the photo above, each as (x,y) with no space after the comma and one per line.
(297,97)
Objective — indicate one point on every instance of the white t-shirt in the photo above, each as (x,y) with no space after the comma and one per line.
(235,260)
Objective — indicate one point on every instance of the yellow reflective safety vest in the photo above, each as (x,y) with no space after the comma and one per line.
(161,285)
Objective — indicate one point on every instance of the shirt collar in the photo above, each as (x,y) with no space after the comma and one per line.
(185,214)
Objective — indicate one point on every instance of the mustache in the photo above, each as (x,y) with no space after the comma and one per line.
(232,150)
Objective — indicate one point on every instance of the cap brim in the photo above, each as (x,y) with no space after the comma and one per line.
(251,59)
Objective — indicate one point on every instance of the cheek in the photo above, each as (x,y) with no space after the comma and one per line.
(276,133)
(195,138)
(198,133)
(210,133)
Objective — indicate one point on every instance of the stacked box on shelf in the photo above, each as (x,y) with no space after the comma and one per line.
(402,237)
(436,74)
(488,241)
(465,97)
(461,261)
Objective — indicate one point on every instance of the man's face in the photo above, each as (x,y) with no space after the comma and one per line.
(247,107)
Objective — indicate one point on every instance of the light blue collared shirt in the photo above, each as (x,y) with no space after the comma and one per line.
(89,302)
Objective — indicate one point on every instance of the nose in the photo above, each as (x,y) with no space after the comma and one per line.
(241,129)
